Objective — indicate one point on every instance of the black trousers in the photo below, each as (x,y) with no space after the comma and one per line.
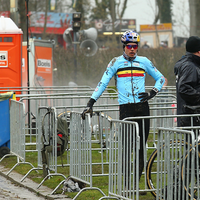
(134,110)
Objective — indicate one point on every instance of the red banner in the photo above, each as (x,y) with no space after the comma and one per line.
(5,13)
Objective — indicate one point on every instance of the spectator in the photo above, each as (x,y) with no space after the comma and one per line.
(187,71)
(164,44)
(145,45)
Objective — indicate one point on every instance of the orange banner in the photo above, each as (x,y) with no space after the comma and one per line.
(158,27)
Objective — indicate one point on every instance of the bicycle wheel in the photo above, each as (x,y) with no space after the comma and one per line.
(186,178)
(152,167)
(152,172)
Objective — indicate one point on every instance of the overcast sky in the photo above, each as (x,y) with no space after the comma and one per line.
(144,13)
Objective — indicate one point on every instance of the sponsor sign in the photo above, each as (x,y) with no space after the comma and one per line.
(5,13)
(44,65)
(54,20)
(120,25)
(3,59)
(158,27)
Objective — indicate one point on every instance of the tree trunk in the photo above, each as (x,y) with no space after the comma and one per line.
(113,16)
(45,20)
(22,19)
(194,6)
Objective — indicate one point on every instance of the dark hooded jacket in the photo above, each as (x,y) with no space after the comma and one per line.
(187,71)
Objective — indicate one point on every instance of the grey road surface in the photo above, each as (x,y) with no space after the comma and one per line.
(10,191)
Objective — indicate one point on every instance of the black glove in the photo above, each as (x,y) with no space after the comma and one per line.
(145,96)
(88,109)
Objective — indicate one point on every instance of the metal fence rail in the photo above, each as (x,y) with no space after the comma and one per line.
(48,145)
(100,131)
(100,135)
(75,99)
(80,148)
(17,129)
(124,160)
(175,164)
(17,133)
(80,151)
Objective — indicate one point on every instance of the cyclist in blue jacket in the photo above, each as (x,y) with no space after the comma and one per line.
(130,71)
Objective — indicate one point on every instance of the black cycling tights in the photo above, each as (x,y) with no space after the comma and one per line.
(135,110)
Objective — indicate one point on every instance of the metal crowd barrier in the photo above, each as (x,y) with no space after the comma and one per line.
(175,164)
(45,89)
(75,98)
(17,129)
(17,133)
(110,110)
(74,102)
(47,144)
(80,151)
(81,161)
(163,104)
(100,133)
(152,142)
(80,148)
(122,148)
(106,109)
(103,129)
(124,160)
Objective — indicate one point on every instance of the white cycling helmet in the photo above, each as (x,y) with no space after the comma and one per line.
(130,36)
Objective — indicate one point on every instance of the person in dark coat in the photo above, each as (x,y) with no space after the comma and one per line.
(187,71)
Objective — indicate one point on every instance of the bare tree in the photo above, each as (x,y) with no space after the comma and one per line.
(115,11)
(113,17)
(164,11)
(5,5)
(45,20)
(33,5)
(181,19)
(194,6)
(22,9)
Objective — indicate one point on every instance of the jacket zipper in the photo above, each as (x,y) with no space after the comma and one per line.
(132,81)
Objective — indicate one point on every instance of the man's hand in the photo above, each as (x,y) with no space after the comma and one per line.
(88,109)
(145,96)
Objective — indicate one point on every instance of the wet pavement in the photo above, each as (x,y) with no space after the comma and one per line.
(11,191)
(11,188)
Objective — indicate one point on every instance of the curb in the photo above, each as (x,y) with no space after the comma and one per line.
(43,191)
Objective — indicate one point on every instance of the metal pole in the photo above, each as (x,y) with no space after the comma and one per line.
(75,54)
(28,85)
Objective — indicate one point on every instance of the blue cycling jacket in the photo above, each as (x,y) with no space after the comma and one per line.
(130,78)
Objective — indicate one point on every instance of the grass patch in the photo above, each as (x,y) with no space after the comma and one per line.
(100,181)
